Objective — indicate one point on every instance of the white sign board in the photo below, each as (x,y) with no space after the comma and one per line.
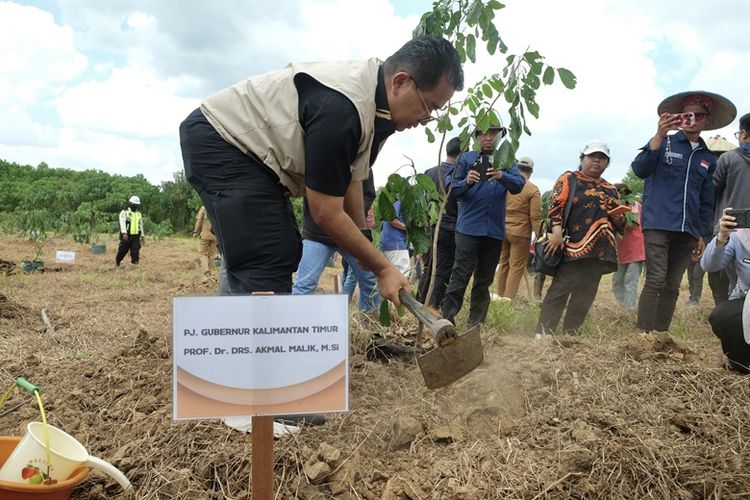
(64,257)
(260,355)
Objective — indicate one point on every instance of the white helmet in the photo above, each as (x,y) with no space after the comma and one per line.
(134,200)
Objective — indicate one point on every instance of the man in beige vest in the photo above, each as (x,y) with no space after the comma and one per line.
(312,129)
(207,249)
(523,214)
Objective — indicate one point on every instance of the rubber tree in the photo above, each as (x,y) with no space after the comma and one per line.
(469,25)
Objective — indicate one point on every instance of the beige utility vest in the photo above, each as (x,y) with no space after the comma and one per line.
(260,115)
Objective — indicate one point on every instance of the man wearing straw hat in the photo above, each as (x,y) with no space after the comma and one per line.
(678,197)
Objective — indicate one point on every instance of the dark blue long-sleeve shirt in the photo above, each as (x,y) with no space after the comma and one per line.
(481,206)
(678,192)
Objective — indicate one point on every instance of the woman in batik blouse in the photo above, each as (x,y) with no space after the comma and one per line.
(586,239)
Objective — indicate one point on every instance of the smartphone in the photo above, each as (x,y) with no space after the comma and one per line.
(481,166)
(741,216)
(686,119)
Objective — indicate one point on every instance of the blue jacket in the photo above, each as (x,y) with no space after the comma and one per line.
(678,193)
(392,238)
(481,206)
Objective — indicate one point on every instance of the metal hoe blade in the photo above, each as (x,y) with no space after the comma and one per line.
(444,365)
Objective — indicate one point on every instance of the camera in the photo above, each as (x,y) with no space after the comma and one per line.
(741,217)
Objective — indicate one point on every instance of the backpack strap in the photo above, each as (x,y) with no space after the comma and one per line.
(572,183)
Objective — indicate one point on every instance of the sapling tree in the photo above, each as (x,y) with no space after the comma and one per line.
(39,227)
(469,25)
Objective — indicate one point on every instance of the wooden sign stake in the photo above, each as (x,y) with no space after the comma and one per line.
(262,458)
(262,452)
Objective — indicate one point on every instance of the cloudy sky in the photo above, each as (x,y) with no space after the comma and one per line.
(104,84)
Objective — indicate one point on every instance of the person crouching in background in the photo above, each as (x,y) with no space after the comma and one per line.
(730,249)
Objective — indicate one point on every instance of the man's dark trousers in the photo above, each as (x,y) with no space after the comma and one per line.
(478,255)
(446,250)
(573,290)
(251,212)
(668,254)
(133,245)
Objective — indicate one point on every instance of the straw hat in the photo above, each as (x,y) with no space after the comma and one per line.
(717,144)
(722,110)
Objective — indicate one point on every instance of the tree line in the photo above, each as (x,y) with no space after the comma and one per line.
(86,204)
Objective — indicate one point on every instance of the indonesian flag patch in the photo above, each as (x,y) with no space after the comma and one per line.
(705,164)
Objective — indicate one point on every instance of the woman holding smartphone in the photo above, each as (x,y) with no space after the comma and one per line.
(586,238)
(731,249)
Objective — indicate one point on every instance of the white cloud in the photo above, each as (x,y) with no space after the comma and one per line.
(108,83)
(132,102)
(36,55)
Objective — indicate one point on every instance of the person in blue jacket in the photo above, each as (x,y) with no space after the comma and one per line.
(678,197)
(480,189)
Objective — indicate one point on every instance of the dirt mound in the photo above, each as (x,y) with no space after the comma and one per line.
(12,310)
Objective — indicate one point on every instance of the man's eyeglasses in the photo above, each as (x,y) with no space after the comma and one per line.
(738,134)
(430,117)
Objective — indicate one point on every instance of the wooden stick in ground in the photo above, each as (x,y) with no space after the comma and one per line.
(262,452)
(262,458)
(47,322)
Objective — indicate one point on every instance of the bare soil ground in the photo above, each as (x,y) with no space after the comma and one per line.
(609,414)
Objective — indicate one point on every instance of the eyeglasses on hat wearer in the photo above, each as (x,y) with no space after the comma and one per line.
(738,134)
(430,117)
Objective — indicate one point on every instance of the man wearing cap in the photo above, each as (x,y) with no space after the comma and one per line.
(732,181)
(523,214)
(309,129)
(207,250)
(131,232)
(480,228)
(446,241)
(678,198)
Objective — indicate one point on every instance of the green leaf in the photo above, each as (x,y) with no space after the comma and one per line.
(500,44)
(487,90)
(549,76)
(425,182)
(430,135)
(567,77)
(473,12)
(459,44)
(502,157)
(471,48)
(401,310)
(533,108)
(386,212)
(385,313)
(497,83)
